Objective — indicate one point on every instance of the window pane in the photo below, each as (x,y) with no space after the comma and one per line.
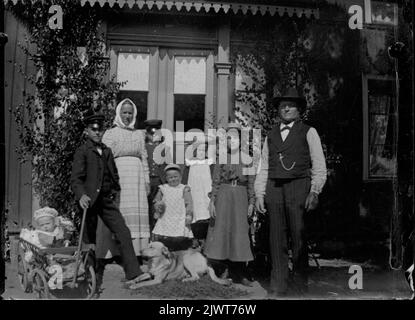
(190,75)
(133,68)
(383,13)
(190,108)
(382,144)
(140,100)
(382,161)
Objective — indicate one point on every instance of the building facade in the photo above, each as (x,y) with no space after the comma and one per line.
(186,61)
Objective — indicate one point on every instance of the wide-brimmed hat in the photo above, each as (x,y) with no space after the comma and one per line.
(291,94)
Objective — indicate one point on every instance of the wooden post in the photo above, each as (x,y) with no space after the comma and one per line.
(3,40)
(223,68)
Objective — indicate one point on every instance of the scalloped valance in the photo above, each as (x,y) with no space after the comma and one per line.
(207,6)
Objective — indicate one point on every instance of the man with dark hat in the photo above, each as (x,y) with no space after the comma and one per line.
(291,176)
(153,139)
(95,183)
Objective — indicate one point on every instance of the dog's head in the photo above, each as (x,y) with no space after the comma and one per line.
(155,249)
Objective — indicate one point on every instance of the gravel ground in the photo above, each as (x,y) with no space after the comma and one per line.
(324,283)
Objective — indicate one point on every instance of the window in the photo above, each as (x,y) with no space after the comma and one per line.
(189,92)
(167,84)
(191,110)
(379,127)
(133,68)
(383,13)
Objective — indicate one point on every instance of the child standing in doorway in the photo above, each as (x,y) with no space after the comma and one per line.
(199,170)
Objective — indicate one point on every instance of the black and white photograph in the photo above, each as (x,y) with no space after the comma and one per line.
(230,152)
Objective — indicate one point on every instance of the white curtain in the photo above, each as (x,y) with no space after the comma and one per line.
(190,75)
(133,68)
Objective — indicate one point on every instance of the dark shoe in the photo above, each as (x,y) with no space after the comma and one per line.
(275,294)
(243,281)
(97,293)
(278,290)
(299,285)
(247,283)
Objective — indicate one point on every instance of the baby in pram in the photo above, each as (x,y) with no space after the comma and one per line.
(51,230)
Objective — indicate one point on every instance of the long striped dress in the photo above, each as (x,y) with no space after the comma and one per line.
(130,156)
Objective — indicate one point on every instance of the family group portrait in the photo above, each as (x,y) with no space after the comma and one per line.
(232,150)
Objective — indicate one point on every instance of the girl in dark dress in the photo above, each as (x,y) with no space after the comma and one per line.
(232,201)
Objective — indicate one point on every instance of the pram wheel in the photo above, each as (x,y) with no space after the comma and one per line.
(90,282)
(40,285)
(23,272)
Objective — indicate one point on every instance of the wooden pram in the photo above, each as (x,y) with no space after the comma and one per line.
(45,270)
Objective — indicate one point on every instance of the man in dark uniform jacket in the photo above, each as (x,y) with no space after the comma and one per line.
(95,183)
(292,174)
(153,139)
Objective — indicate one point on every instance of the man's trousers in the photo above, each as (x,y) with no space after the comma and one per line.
(285,201)
(106,208)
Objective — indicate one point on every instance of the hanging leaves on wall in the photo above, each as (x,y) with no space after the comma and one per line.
(71,80)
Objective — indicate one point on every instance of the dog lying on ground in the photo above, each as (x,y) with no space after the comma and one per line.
(165,265)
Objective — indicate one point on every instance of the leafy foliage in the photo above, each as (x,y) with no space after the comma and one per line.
(320,60)
(268,68)
(71,81)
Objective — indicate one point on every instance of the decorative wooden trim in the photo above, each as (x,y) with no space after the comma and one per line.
(209,6)
(162,40)
(223,68)
(216,7)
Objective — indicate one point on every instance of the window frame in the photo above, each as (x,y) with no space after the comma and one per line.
(153,68)
(160,101)
(366,125)
(209,94)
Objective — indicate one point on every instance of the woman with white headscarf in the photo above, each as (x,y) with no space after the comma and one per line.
(128,147)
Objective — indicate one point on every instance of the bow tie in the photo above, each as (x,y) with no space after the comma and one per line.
(98,145)
(285,128)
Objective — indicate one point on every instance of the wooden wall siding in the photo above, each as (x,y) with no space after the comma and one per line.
(168,31)
(18,176)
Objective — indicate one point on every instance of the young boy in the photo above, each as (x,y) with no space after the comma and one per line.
(95,183)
